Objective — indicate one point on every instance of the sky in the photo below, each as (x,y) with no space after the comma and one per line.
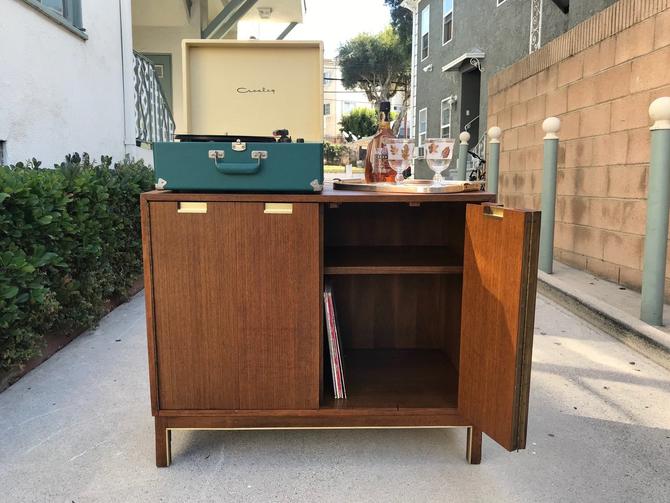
(334,22)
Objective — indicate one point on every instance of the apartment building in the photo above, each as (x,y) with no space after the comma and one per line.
(459,44)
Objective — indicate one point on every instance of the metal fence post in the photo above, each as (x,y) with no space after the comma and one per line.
(551,126)
(462,161)
(493,160)
(656,235)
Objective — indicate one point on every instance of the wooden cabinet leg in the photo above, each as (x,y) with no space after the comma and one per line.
(474,446)
(163,443)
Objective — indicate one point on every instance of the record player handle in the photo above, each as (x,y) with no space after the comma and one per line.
(239,168)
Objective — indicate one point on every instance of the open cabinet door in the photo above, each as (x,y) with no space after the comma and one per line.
(497,317)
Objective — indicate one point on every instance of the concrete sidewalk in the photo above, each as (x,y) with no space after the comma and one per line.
(79,428)
(610,307)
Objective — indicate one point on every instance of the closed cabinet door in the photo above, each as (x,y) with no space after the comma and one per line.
(497,317)
(236,305)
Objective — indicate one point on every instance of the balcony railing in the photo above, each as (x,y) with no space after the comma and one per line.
(153,118)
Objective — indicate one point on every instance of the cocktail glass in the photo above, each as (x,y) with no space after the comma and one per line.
(400,152)
(439,152)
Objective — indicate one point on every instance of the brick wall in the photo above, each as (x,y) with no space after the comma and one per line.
(599,78)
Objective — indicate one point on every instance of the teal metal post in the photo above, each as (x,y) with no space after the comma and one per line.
(656,235)
(493,160)
(551,126)
(462,161)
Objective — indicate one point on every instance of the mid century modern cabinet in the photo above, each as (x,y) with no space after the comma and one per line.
(435,296)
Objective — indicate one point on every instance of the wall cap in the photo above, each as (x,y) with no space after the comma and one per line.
(551,126)
(659,111)
(464,137)
(494,134)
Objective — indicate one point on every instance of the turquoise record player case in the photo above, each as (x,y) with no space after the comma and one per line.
(246,89)
(239,166)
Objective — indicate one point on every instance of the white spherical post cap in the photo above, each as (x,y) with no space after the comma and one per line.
(494,134)
(551,127)
(659,111)
(464,137)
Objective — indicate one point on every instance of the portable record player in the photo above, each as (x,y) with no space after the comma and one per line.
(252,119)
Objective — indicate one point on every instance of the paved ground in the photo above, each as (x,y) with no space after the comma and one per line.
(78,428)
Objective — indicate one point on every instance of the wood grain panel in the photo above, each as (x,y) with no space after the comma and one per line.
(399,311)
(397,378)
(149,303)
(327,196)
(326,418)
(237,296)
(196,310)
(372,225)
(499,285)
(279,312)
(392,260)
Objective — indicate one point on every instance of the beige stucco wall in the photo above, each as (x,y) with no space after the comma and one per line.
(599,79)
(152,39)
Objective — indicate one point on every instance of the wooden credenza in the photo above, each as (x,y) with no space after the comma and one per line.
(435,297)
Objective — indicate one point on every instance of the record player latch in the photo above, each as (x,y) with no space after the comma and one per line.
(239,146)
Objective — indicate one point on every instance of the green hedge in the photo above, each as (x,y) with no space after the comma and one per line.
(337,154)
(69,241)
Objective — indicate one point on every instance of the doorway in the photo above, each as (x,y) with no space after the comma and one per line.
(470,91)
(163,68)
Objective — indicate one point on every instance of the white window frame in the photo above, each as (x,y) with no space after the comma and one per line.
(426,34)
(424,122)
(500,2)
(324,110)
(442,123)
(444,14)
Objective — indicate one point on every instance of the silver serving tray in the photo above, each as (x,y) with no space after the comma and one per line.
(408,186)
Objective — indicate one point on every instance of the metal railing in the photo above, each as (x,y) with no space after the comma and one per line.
(474,164)
(153,118)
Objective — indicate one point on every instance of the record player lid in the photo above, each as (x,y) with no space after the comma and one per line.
(252,87)
(224,138)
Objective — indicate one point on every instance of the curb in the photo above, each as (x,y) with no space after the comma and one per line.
(644,338)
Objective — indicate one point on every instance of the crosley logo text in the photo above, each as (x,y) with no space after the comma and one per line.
(246,90)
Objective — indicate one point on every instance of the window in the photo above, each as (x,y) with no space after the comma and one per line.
(347,107)
(54,5)
(68,9)
(423,126)
(3,156)
(500,2)
(425,29)
(326,109)
(326,78)
(65,12)
(447,20)
(445,121)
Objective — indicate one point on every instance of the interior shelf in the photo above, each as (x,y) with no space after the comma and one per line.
(390,260)
(397,379)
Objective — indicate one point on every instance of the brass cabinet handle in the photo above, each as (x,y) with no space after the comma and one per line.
(187,207)
(494,211)
(278,209)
